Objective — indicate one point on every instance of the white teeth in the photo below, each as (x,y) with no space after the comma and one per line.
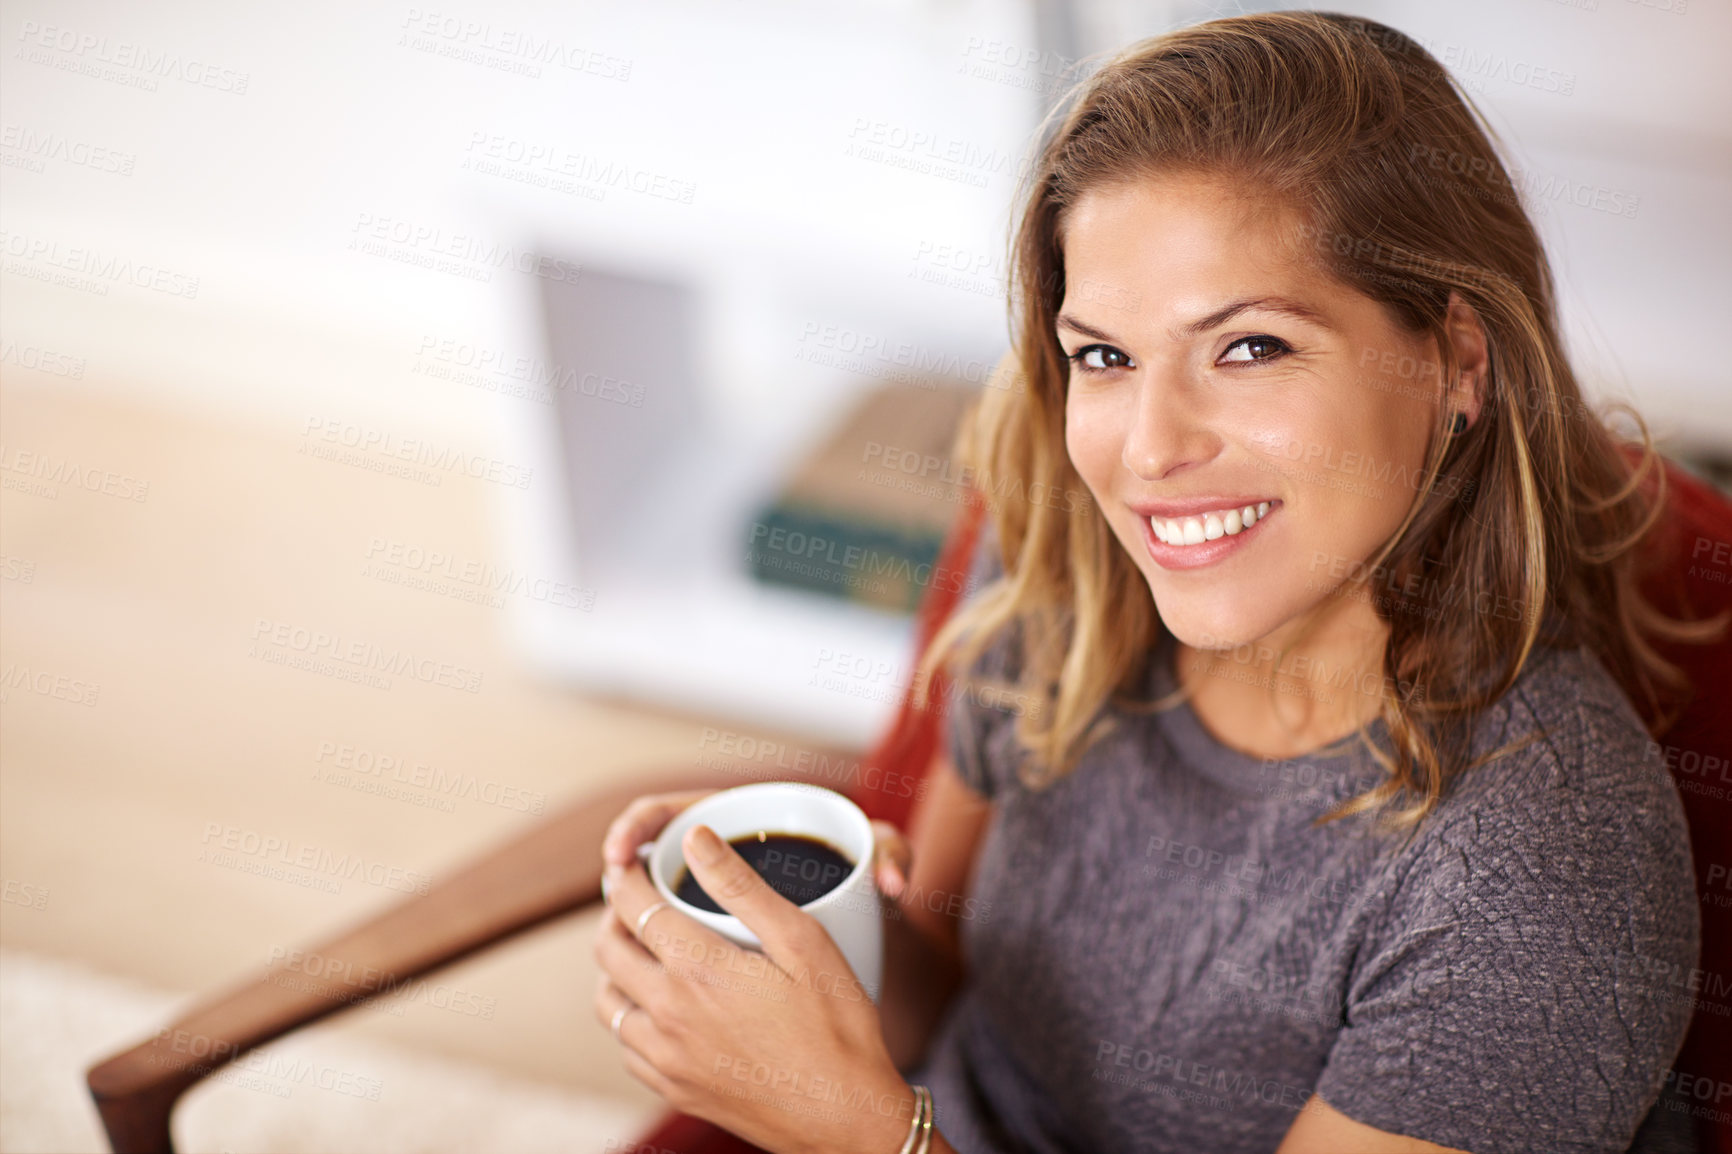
(1209,526)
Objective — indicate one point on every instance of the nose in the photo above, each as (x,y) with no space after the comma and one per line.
(1168,434)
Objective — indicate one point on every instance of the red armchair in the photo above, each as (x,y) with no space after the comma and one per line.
(538,877)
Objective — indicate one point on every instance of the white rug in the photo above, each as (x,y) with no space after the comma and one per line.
(304,1095)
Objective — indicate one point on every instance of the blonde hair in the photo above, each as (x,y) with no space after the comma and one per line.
(1404,198)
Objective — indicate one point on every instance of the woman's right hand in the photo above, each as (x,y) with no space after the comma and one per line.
(642,821)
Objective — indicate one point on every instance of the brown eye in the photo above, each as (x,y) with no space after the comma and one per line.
(1247,349)
(1100,358)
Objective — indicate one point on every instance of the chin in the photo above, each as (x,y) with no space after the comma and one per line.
(1217,622)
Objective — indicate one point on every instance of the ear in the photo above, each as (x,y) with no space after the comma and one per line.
(1466,394)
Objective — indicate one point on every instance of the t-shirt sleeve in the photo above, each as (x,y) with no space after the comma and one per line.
(976,733)
(1530,985)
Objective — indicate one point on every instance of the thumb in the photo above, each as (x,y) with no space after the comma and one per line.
(741,891)
(893,857)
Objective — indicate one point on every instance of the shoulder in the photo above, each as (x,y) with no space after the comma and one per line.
(1569,805)
(1547,906)
(1568,857)
(1563,732)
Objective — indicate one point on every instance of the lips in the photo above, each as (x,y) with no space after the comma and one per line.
(1195,533)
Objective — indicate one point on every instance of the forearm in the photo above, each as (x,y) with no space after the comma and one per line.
(921,975)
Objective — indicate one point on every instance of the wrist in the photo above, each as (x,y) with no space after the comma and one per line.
(885,1128)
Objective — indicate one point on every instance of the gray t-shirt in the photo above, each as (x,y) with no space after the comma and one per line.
(1166,955)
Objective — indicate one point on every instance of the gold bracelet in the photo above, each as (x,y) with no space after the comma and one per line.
(913,1122)
(926,1120)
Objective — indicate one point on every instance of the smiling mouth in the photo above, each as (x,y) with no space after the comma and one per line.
(1210,526)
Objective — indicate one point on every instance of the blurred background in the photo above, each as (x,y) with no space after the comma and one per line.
(413,418)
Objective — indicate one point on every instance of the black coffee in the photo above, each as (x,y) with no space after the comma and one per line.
(801,869)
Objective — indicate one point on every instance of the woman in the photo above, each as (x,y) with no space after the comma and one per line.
(1332,830)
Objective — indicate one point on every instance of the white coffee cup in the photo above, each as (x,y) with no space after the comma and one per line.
(851,912)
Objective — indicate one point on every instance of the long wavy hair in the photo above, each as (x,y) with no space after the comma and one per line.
(1404,197)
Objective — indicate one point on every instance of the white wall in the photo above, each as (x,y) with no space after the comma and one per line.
(345,123)
(753,106)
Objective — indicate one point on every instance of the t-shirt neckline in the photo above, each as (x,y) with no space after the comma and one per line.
(1308,774)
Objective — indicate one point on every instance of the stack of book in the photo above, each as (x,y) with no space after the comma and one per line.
(864,515)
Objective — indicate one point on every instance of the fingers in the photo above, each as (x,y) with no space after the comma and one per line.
(632,896)
(611,1000)
(638,1035)
(625,962)
(892,857)
(786,932)
(641,821)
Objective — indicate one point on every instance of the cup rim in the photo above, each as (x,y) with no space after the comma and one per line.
(689,818)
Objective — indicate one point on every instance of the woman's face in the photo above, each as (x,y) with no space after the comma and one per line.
(1252,428)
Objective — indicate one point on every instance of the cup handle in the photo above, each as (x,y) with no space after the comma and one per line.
(643,855)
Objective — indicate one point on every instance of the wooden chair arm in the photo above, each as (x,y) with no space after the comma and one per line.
(553,869)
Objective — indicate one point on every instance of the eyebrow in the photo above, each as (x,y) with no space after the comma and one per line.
(1215,319)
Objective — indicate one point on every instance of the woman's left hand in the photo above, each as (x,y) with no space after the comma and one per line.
(782,1048)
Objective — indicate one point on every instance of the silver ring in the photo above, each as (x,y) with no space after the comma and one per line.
(643,918)
(618,1018)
